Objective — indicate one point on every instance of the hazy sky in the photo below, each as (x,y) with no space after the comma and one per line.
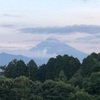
(50,12)
(16,15)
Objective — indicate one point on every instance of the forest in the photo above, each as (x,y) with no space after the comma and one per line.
(61,78)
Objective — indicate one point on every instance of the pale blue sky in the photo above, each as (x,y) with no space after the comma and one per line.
(50,12)
(18,14)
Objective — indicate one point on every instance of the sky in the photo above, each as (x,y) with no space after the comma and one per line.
(25,23)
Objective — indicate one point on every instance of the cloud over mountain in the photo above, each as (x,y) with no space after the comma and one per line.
(91,29)
(7,25)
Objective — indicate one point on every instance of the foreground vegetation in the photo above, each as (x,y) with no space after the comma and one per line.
(62,78)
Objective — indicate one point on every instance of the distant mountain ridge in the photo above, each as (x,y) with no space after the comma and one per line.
(6,58)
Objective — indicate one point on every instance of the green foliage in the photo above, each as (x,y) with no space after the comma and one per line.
(15,89)
(10,69)
(32,70)
(42,73)
(15,69)
(51,70)
(57,90)
(3,67)
(5,86)
(21,69)
(92,84)
(36,90)
(62,78)
(82,95)
(18,68)
(21,88)
(96,67)
(89,64)
(97,97)
(76,81)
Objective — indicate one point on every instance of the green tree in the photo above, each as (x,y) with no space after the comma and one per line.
(89,64)
(3,67)
(5,87)
(10,70)
(76,81)
(21,69)
(36,91)
(15,69)
(42,73)
(51,70)
(82,95)
(96,67)
(92,84)
(22,88)
(32,70)
(61,77)
(57,90)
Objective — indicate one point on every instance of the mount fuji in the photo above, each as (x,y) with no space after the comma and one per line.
(52,47)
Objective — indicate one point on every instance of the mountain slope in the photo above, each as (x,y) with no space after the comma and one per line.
(6,58)
(53,47)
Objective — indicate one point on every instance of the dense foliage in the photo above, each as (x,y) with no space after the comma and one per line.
(62,78)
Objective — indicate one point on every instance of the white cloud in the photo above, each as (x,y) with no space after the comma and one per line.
(42,54)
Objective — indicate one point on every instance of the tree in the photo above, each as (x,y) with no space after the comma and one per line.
(92,84)
(82,95)
(89,64)
(96,67)
(42,73)
(61,77)
(15,69)
(10,69)
(21,69)
(22,88)
(68,64)
(36,91)
(57,90)
(95,80)
(2,69)
(32,70)
(76,81)
(5,87)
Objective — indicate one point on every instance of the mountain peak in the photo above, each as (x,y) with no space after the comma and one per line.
(52,40)
(52,47)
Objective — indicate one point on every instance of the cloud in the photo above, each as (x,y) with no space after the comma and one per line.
(42,54)
(91,29)
(7,25)
(10,15)
(84,0)
(93,47)
(89,39)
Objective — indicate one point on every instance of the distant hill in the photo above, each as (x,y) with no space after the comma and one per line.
(6,58)
(53,47)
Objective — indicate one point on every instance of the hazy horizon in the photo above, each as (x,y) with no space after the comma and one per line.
(25,23)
